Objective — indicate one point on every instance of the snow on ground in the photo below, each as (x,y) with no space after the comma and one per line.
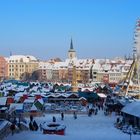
(97,127)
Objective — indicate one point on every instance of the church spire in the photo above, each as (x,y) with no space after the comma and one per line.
(71,45)
(71,52)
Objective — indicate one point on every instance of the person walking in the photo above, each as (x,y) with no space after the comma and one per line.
(54,119)
(74,115)
(62,116)
(12,128)
(40,126)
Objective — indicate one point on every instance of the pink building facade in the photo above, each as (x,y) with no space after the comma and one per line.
(3,68)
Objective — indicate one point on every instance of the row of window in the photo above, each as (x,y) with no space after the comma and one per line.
(12,74)
(16,61)
(115,78)
(115,74)
(17,66)
(21,66)
(16,70)
(111,74)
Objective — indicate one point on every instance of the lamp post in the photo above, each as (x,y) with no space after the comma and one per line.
(130,131)
(130,135)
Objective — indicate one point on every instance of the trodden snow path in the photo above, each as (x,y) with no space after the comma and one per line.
(96,127)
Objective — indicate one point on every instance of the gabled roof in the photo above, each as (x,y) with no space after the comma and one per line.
(33,108)
(41,101)
(72,95)
(38,105)
(82,98)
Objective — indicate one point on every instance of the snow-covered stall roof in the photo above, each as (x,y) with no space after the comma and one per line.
(29,100)
(16,106)
(102,95)
(82,98)
(3,108)
(3,100)
(132,109)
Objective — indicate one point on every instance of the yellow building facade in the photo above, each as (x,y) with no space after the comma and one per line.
(20,64)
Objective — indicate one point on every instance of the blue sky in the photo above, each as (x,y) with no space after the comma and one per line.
(43,28)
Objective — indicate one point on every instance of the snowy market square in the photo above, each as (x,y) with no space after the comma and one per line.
(107,116)
(95,127)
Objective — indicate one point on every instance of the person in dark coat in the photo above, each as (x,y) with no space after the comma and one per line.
(90,112)
(31,126)
(12,128)
(31,118)
(54,119)
(40,126)
(62,116)
(74,115)
(35,125)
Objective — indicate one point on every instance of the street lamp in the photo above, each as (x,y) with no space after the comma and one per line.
(130,131)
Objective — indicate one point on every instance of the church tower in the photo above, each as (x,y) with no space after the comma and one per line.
(71,52)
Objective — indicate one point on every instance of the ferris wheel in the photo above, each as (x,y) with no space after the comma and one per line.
(133,76)
(136,50)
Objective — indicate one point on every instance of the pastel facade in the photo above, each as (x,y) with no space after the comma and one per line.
(3,68)
(109,71)
(18,65)
(46,71)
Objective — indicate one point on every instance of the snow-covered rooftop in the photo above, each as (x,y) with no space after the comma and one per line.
(21,58)
(132,109)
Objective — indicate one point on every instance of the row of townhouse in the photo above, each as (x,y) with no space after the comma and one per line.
(86,70)
(110,71)
(63,71)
